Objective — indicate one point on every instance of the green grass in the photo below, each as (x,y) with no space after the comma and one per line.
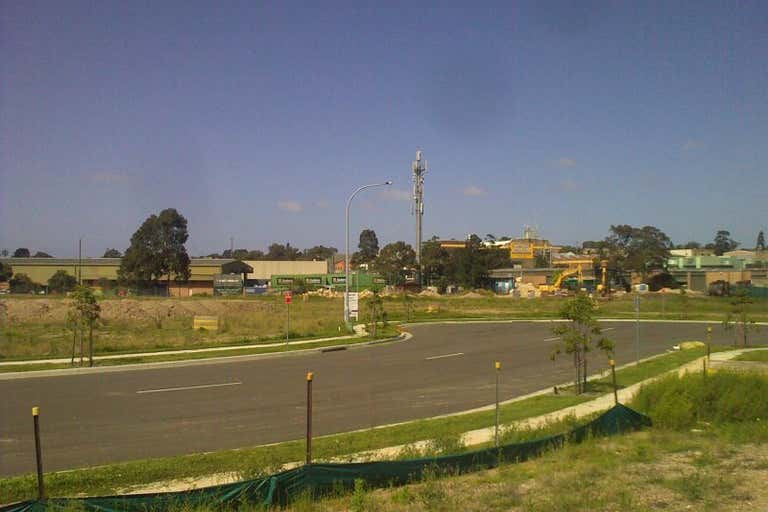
(275,348)
(250,462)
(632,374)
(639,472)
(36,328)
(718,466)
(754,355)
(696,399)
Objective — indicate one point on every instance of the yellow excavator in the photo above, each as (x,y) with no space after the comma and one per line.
(560,278)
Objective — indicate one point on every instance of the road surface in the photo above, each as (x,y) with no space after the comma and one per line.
(100,418)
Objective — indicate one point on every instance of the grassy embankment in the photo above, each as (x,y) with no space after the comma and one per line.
(707,450)
(250,462)
(754,355)
(32,329)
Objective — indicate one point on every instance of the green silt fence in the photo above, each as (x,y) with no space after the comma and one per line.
(320,479)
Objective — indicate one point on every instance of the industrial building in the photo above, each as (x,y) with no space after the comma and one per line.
(102,272)
(697,273)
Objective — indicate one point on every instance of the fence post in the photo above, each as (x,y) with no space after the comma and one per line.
(613,379)
(498,369)
(309,418)
(709,342)
(38,454)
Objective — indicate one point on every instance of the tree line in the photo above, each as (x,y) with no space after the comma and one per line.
(157,251)
(278,252)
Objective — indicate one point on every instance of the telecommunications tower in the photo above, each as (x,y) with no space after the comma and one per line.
(419,168)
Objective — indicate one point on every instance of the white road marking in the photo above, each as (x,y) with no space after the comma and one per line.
(184,388)
(445,355)
(608,329)
(552,339)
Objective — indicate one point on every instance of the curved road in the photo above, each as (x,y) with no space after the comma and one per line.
(104,417)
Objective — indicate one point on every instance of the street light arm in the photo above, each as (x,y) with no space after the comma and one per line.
(349,201)
(346,251)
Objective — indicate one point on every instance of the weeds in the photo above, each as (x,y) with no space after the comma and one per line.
(681,403)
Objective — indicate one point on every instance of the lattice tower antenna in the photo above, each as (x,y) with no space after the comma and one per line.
(419,168)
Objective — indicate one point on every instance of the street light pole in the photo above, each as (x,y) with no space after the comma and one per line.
(346,252)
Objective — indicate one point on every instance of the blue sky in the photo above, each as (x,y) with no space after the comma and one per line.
(256,120)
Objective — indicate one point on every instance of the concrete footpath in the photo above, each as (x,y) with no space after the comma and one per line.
(473,437)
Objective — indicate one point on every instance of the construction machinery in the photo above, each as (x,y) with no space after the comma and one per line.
(558,283)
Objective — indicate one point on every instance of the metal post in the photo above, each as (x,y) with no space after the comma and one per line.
(346,250)
(309,418)
(637,329)
(613,379)
(709,342)
(346,267)
(498,369)
(38,454)
(287,320)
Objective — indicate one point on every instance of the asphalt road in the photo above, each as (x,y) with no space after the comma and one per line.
(100,418)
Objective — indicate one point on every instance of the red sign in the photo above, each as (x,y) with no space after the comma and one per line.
(287,297)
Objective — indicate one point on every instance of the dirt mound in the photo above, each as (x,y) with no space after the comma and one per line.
(138,310)
(324,292)
(36,309)
(365,294)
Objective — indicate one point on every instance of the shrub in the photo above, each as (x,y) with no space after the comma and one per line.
(721,398)
(22,283)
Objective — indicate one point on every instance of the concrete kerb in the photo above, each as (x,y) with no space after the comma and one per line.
(359,332)
(471,438)
(404,336)
(359,329)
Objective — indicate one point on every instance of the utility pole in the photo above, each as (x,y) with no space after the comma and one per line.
(231,245)
(419,169)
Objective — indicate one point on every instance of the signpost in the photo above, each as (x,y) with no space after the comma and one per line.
(353,304)
(288,299)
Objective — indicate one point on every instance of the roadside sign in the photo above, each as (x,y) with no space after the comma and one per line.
(353,304)
(288,297)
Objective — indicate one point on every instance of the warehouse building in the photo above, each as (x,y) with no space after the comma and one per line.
(696,273)
(102,272)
